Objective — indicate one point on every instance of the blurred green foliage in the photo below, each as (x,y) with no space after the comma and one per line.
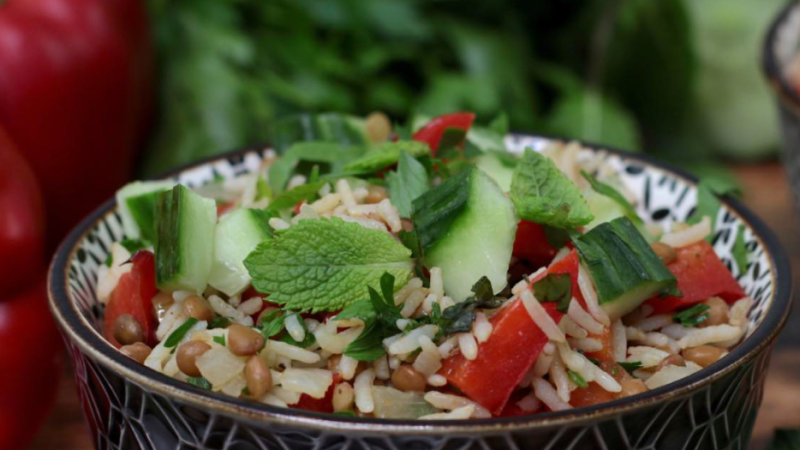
(628,73)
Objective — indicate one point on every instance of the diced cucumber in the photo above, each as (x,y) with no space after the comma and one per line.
(236,235)
(467,226)
(623,266)
(137,206)
(499,170)
(185,246)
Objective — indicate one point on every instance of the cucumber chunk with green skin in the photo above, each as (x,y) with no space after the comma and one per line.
(467,227)
(137,206)
(237,234)
(185,246)
(500,171)
(623,266)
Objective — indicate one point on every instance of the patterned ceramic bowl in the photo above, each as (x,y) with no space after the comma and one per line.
(781,49)
(129,406)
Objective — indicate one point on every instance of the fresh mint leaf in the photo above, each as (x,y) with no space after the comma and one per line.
(290,198)
(408,182)
(219,322)
(387,154)
(577,379)
(554,287)
(556,237)
(610,192)
(333,154)
(452,138)
(708,203)
(436,210)
(176,336)
(542,194)
(739,250)
(336,260)
(361,309)
(200,382)
(380,324)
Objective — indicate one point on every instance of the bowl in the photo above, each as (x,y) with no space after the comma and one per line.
(129,406)
(780,50)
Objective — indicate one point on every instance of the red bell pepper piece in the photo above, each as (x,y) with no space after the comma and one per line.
(324,404)
(531,244)
(134,295)
(32,358)
(701,275)
(75,97)
(503,360)
(22,257)
(432,132)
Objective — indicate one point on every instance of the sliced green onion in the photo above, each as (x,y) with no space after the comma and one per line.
(630,366)
(577,379)
(179,333)
(693,316)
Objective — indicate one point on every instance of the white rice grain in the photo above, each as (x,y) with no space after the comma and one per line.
(295,329)
(405,291)
(446,348)
(481,328)
(541,366)
(412,302)
(343,188)
(437,380)
(326,203)
(675,331)
(572,329)
(669,374)
(362,388)
(654,322)
(586,344)
(291,352)
(710,335)
(541,318)
(545,392)
(278,224)
(251,306)
(737,316)
(429,361)
(381,367)
(224,309)
(410,341)
(468,346)
(347,367)
(437,283)
(558,376)
(590,296)
(648,356)
(390,215)
(583,319)
(689,235)
(451,402)
(530,403)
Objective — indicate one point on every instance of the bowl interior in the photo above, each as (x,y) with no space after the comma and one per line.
(664,197)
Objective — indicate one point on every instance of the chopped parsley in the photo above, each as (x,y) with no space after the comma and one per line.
(200,382)
(220,340)
(554,287)
(630,366)
(577,379)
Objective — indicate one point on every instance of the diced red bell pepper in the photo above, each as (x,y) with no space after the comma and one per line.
(222,208)
(432,132)
(531,244)
(606,354)
(134,295)
(503,360)
(324,404)
(701,275)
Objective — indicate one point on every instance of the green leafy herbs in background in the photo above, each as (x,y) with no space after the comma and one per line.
(657,75)
(785,439)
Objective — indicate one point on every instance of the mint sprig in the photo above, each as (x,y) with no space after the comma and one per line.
(542,194)
(336,261)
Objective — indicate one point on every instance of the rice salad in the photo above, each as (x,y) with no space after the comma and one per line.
(419,273)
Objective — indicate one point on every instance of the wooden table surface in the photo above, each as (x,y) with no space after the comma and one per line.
(766,192)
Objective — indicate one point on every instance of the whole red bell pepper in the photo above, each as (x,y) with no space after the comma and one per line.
(701,275)
(22,257)
(75,96)
(31,355)
(432,132)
